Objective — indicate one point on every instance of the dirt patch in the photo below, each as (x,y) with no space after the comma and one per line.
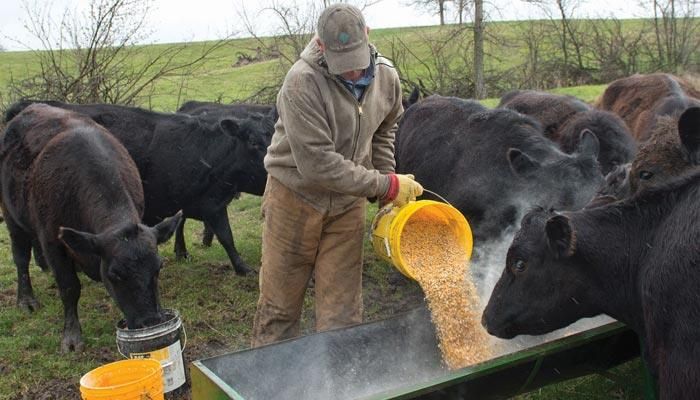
(55,389)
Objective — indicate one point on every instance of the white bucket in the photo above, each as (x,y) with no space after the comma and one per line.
(160,342)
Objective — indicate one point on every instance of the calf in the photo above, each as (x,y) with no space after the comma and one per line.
(565,117)
(492,163)
(672,149)
(189,163)
(641,99)
(636,260)
(71,187)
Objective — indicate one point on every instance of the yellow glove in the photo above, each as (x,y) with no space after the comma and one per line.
(407,191)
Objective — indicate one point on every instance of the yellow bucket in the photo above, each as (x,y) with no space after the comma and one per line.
(389,223)
(133,379)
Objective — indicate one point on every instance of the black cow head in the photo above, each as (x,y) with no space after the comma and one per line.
(541,288)
(129,265)
(563,181)
(252,137)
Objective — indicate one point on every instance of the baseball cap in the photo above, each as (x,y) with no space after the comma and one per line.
(341,28)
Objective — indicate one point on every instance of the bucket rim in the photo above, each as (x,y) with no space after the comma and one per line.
(414,208)
(157,367)
(170,325)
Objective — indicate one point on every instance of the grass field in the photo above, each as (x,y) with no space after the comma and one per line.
(216,305)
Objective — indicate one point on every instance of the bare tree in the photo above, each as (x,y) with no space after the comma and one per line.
(433,6)
(568,36)
(676,31)
(615,50)
(479,88)
(93,56)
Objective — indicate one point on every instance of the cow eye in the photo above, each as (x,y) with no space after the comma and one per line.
(645,175)
(519,266)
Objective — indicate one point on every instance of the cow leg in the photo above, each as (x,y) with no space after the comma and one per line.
(69,288)
(39,256)
(679,377)
(180,246)
(219,224)
(207,236)
(21,254)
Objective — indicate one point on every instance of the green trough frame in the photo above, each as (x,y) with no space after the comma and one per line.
(398,358)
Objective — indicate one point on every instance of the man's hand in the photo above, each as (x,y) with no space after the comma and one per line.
(402,189)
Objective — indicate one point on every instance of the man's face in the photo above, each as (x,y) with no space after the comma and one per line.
(352,75)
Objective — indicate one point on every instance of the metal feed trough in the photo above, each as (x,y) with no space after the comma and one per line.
(399,358)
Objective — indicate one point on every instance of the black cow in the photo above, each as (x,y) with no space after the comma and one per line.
(266,116)
(241,110)
(551,110)
(637,260)
(72,187)
(492,163)
(565,117)
(194,164)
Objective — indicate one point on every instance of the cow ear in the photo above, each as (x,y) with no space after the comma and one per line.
(521,163)
(273,114)
(561,237)
(233,129)
(165,229)
(79,242)
(689,132)
(588,144)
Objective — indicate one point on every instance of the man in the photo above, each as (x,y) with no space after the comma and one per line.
(332,148)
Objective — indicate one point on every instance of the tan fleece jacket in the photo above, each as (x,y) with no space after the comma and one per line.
(328,147)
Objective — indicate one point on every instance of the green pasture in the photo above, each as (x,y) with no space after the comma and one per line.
(218,80)
(216,305)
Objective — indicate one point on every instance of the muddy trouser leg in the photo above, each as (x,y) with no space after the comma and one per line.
(339,270)
(291,231)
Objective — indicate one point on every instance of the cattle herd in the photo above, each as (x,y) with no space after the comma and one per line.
(603,198)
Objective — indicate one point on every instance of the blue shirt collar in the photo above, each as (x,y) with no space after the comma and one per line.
(358,87)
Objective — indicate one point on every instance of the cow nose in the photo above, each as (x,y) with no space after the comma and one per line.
(147,321)
(154,320)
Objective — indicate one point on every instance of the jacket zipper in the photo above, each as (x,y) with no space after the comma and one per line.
(356,138)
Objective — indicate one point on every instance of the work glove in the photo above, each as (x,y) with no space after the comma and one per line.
(402,189)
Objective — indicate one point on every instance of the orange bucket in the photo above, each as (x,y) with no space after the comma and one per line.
(133,379)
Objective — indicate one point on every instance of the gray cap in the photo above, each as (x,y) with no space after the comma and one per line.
(342,28)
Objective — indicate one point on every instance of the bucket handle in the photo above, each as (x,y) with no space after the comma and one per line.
(437,195)
(182,349)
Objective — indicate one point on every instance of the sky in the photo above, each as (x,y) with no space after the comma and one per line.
(194,20)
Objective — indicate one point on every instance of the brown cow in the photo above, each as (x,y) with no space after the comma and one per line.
(672,149)
(640,99)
